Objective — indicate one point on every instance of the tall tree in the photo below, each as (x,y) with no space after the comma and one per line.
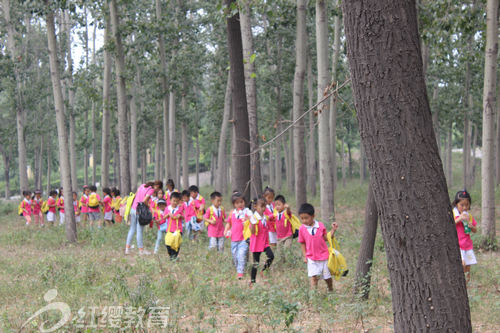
(333,98)
(395,123)
(62,133)
(122,99)
(241,155)
(298,103)
(489,99)
(325,163)
(311,141)
(221,156)
(251,91)
(106,112)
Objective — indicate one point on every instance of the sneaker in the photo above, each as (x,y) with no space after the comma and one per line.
(240,276)
(144,252)
(127,250)
(155,253)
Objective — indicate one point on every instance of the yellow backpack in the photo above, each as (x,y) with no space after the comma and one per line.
(117,203)
(45,207)
(130,201)
(173,241)
(294,220)
(336,261)
(211,217)
(93,202)
(20,209)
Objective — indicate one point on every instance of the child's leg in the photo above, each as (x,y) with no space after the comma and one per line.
(467,273)
(234,253)
(40,218)
(36,217)
(61,218)
(314,282)
(220,244)
(329,283)
(159,238)
(212,243)
(242,256)
(270,258)
(256,259)
(28,219)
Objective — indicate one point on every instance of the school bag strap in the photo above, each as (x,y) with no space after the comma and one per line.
(336,261)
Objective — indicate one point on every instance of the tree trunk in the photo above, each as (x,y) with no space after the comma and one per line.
(35,161)
(311,140)
(20,121)
(144,167)
(298,104)
(185,156)
(64,163)
(171,130)
(116,157)
(213,162)
(271,166)
(222,140)
(39,185)
(49,166)
(157,149)
(325,162)
(122,100)
(240,117)
(497,151)
(489,94)
(85,149)
(133,138)
(197,150)
(365,257)
(288,167)
(473,158)
(278,162)
(350,159)
(251,93)
(106,114)
(435,119)
(178,162)
(394,118)
(450,157)
(6,166)
(362,175)
(71,99)
(342,154)
(333,98)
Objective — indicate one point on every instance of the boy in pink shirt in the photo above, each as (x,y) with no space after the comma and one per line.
(283,214)
(259,240)
(108,209)
(174,215)
(312,239)
(197,203)
(215,217)
(37,203)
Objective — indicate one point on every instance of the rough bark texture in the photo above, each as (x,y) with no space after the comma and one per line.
(298,104)
(122,100)
(362,170)
(423,259)
(85,149)
(497,150)
(278,164)
(325,162)
(62,134)
(221,160)
(185,157)
(333,99)
(449,169)
(311,139)
(365,257)
(251,91)
(133,138)
(106,114)
(489,102)
(49,166)
(7,156)
(473,158)
(242,136)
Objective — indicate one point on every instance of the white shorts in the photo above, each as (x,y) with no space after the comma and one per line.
(78,218)
(318,267)
(61,218)
(108,216)
(469,257)
(51,217)
(272,238)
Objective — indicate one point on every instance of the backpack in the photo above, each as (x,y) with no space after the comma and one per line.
(336,261)
(211,217)
(20,209)
(144,214)
(199,212)
(93,202)
(117,203)
(128,208)
(45,207)
(294,221)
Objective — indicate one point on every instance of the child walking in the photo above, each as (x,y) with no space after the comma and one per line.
(26,206)
(282,216)
(269,212)
(170,189)
(60,206)
(259,240)
(215,217)
(84,204)
(76,207)
(36,203)
(162,223)
(108,208)
(312,239)
(117,200)
(234,229)
(94,211)
(174,214)
(196,204)
(465,224)
(51,202)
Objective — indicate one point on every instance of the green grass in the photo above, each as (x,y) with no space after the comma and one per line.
(201,289)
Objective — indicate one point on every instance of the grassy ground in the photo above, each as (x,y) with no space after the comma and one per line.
(201,289)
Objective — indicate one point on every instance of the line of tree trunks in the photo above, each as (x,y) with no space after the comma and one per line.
(221,160)
(241,154)
(311,140)
(390,97)
(333,98)
(489,102)
(325,162)
(85,149)
(106,113)
(62,134)
(298,104)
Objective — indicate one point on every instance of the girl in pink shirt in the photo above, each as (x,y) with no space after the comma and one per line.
(60,206)
(312,239)
(108,208)
(26,206)
(76,207)
(259,240)
(269,212)
(51,202)
(465,224)
(36,203)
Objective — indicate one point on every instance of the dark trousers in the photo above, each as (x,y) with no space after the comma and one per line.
(172,253)
(256,258)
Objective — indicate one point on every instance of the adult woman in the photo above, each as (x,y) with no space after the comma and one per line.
(144,193)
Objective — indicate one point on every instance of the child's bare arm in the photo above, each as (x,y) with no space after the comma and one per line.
(473,228)
(252,228)
(227,228)
(334,228)
(304,252)
(288,210)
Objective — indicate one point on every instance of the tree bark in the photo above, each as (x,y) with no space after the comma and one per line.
(157,149)
(106,113)
(298,104)
(251,93)
(62,134)
(362,175)
(116,158)
(85,149)
(390,98)
(450,157)
(497,151)
(49,166)
(325,162)
(185,156)
(311,140)
(342,154)
(39,185)
(221,160)
(288,163)
(6,168)
(489,102)
(133,138)
(278,161)
(122,100)
(473,158)
(242,136)
(365,257)
(333,99)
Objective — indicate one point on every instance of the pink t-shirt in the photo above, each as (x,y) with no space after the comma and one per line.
(260,241)
(75,206)
(141,194)
(196,203)
(281,230)
(107,204)
(215,230)
(174,224)
(26,206)
(51,201)
(84,200)
(271,221)
(36,205)
(464,239)
(97,209)
(60,202)
(316,248)
(167,194)
(236,227)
